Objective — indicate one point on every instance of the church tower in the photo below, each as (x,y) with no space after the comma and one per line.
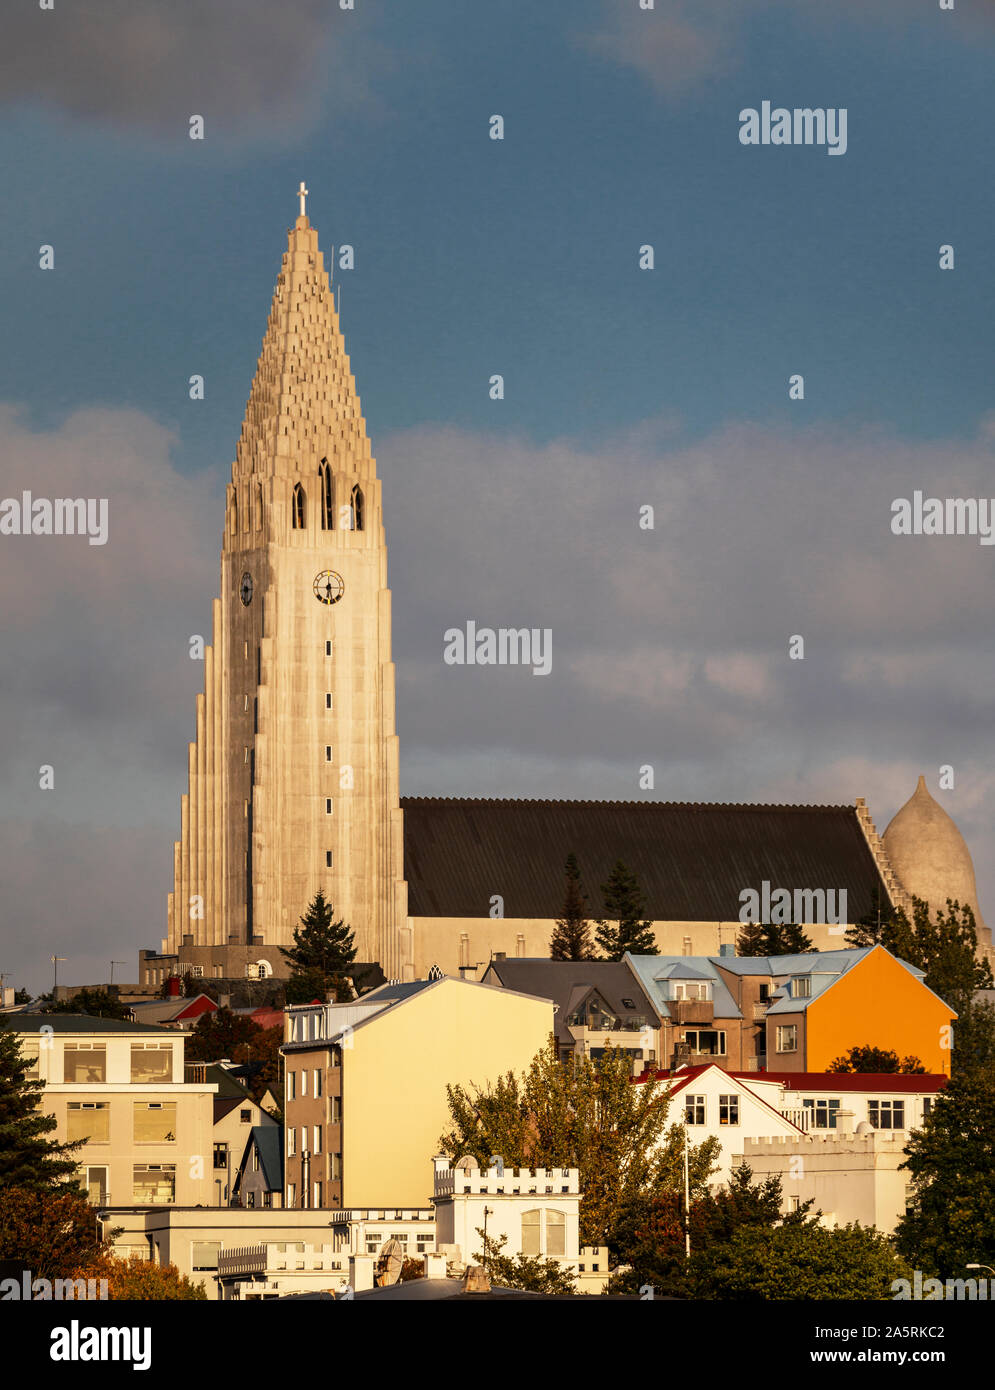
(294,772)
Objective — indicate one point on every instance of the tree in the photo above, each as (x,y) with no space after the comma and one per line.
(944,946)
(28,1158)
(572,938)
(623,927)
(651,1238)
(22,996)
(529,1272)
(305,986)
(798,1260)
(92,1003)
(772,939)
(321,944)
(950,1218)
(876,1059)
(974,1042)
(136,1278)
(52,1233)
(223,1035)
(585,1113)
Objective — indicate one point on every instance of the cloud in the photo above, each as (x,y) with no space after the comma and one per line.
(247,66)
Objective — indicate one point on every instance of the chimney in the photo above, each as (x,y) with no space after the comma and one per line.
(844,1121)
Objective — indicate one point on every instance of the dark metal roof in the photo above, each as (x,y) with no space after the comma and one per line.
(692,860)
(80,1023)
(570,983)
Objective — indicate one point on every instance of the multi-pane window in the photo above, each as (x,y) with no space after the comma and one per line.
(153,1183)
(85,1063)
(221,1156)
(90,1122)
(801,987)
(155,1122)
(886,1114)
(729,1110)
(708,1041)
(29,1052)
(822,1113)
(690,989)
(787,1037)
(532,1233)
(96,1186)
(694,1110)
(151,1062)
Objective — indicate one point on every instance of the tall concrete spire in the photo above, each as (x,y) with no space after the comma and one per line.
(294,770)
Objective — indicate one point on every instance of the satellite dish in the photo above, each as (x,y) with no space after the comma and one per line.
(389,1263)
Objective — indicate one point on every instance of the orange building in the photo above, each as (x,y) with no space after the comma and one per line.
(794,1013)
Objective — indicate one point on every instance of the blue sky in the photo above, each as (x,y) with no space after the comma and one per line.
(520,257)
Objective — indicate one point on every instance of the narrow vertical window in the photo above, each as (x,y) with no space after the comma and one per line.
(327,496)
(328,648)
(328,752)
(297,508)
(259,505)
(358,508)
(328,805)
(328,858)
(328,699)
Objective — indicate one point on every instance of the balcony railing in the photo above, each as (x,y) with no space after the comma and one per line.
(760,1012)
(692,1010)
(800,1116)
(601,1023)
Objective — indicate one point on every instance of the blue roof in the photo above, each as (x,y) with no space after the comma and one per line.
(823,968)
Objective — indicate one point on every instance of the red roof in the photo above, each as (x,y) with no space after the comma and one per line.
(201,1005)
(267,1018)
(851,1081)
(815,1080)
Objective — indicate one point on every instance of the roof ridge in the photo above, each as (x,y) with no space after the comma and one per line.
(579,801)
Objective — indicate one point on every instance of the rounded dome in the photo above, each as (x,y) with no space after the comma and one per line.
(930,857)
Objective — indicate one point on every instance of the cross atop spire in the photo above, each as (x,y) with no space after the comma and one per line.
(302,193)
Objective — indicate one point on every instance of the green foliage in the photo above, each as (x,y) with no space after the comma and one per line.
(876,1059)
(584,1113)
(797,1260)
(22,996)
(772,939)
(944,946)
(974,1042)
(571,939)
(321,945)
(92,1003)
(623,927)
(29,1160)
(651,1233)
(529,1272)
(305,986)
(950,1219)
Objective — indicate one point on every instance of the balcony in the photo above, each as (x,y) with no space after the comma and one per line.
(692,1010)
(800,1116)
(760,1011)
(603,1023)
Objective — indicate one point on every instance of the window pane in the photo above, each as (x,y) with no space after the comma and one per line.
(155,1124)
(85,1064)
(152,1063)
(154,1185)
(91,1122)
(556,1233)
(530,1233)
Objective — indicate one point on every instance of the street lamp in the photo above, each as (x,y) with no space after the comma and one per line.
(988,1267)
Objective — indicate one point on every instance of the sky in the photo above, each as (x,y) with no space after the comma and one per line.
(624,388)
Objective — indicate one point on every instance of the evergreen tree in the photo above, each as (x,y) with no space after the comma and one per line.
(322,945)
(91,1003)
(572,938)
(623,927)
(944,945)
(29,1160)
(772,939)
(950,1219)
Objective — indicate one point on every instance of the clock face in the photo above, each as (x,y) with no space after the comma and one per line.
(328,587)
(245,589)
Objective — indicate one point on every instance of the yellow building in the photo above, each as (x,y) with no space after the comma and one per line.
(121,1088)
(366,1083)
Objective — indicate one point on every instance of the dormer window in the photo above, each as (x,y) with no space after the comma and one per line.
(801,987)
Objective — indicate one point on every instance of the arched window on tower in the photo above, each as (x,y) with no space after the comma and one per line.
(358,508)
(327,496)
(259,505)
(297,508)
(234,510)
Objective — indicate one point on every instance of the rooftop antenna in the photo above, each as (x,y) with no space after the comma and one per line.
(55,972)
(113,963)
